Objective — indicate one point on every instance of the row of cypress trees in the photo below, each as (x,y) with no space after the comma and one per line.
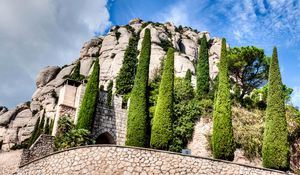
(41,127)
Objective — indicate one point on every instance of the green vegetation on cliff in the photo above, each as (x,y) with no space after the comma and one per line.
(88,104)
(161,132)
(275,151)
(223,146)
(138,121)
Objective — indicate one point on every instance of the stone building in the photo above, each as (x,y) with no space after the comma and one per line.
(110,120)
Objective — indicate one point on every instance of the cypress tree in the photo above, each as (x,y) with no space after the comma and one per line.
(125,78)
(88,104)
(222,136)
(137,124)
(41,126)
(109,93)
(47,127)
(188,75)
(161,133)
(203,69)
(51,126)
(275,152)
(34,132)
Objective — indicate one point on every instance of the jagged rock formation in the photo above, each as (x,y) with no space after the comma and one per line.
(16,124)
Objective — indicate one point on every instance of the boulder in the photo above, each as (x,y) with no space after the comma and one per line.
(85,65)
(24,133)
(7,117)
(181,64)
(59,80)
(22,118)
(46,75)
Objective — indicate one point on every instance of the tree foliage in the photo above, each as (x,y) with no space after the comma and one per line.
(222,137)
(203,69)
(76,73)
(161,132)
(125,78)
(68,136)
(138,124)
(88,104)
(248,68)
(275,151)
(34,134)
(109,93)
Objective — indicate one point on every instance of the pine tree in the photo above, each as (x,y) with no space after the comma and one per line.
(222,137)
(88,104)
(188,75)
(109,93)
(161,132)
(203,69)
(137,124)
(125,78)
(34,132)
(275,152)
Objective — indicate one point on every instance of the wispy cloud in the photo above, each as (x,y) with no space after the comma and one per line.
(296,96)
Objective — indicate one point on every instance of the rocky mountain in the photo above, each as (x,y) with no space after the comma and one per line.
(17,124)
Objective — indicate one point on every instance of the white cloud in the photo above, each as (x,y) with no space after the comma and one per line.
(37,33)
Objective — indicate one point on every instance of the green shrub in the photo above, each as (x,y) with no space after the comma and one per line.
(68,136)
(203,70)
(275,152)
(138,124)
(125,78)
(76,73)
(109,93)
(51,126)
(88,104)
(165,44)
(222,137)
(161,132)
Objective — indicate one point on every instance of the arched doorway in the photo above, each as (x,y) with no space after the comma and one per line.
(105,138)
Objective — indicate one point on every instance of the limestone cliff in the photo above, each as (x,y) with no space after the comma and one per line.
(17,124)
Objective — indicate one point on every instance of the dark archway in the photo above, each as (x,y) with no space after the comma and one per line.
(105,138)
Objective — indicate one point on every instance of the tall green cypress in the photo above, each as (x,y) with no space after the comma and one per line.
(275,152)
(137,124)
(125,78)
(41,129)
(34,132)
(161,132)
(89,101)
(47,126)
(203,69)
(222,137)
(109,93)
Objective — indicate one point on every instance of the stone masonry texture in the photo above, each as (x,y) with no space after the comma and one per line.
(120,160)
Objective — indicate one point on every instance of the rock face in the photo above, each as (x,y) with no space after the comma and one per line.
(47,74)
(17,124)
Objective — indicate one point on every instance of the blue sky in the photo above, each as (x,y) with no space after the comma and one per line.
(51,32)
(262,23)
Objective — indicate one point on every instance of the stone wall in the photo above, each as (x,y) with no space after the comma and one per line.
(110,120)
(41,147)
(118,160)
